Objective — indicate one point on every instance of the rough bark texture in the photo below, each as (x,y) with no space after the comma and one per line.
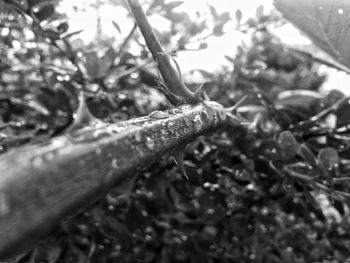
(41,184)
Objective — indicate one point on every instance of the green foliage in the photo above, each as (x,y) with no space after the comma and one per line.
(325,22)
(275,193)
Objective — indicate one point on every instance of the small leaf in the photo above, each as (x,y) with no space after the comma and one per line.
(45,12)
(307,155)
(213,12)
(115,24)
(288,144)
(73,34)
(328,157)
(172,5)
(239,16)
(63,27)
(259,11)
(32,3)
(326,23)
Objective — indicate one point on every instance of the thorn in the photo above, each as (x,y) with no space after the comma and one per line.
(234,107)
(254,125)
(178,157)
(206,97)
(198,94)
(82,117)
(237,120)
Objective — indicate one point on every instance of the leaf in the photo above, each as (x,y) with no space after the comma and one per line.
(45,12)
(115,24)
(239,16)
(288,144)
(73,34)
(259,11)
(307,155)
(172,5)
(329,157)
(324,22)
(33,3)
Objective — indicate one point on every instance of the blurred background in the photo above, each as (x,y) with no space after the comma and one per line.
(96,19)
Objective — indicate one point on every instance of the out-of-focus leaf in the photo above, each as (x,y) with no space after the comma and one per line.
(63,27)
(45,12)
(288,144)
(172,5)
(32,3)
(307,155)
(239,15)
(115,24)
(329,157)
(325,22)
(73,33)
(259,11)
(176,17)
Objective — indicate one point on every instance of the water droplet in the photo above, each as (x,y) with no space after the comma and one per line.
(340,11)
(149,143)
(206,184)
(320,7)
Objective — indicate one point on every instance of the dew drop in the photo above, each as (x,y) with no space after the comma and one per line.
(206,184)
(340,11)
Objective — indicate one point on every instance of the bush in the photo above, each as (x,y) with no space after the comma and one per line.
(275,192)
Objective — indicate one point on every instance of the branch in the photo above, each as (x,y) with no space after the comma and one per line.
(170,76)
(42,184)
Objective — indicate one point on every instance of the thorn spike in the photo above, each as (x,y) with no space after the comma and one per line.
(178,157)
(198,94)
(234,107)
(82,117)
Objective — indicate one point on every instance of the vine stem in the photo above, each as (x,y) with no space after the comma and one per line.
(169,74)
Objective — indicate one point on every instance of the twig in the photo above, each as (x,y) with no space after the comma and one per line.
(169,74)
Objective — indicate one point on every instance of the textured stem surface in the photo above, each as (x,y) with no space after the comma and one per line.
(42,184)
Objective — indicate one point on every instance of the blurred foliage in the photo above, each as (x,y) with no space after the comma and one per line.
(277,193)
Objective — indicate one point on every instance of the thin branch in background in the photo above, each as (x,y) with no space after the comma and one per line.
(126,41)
